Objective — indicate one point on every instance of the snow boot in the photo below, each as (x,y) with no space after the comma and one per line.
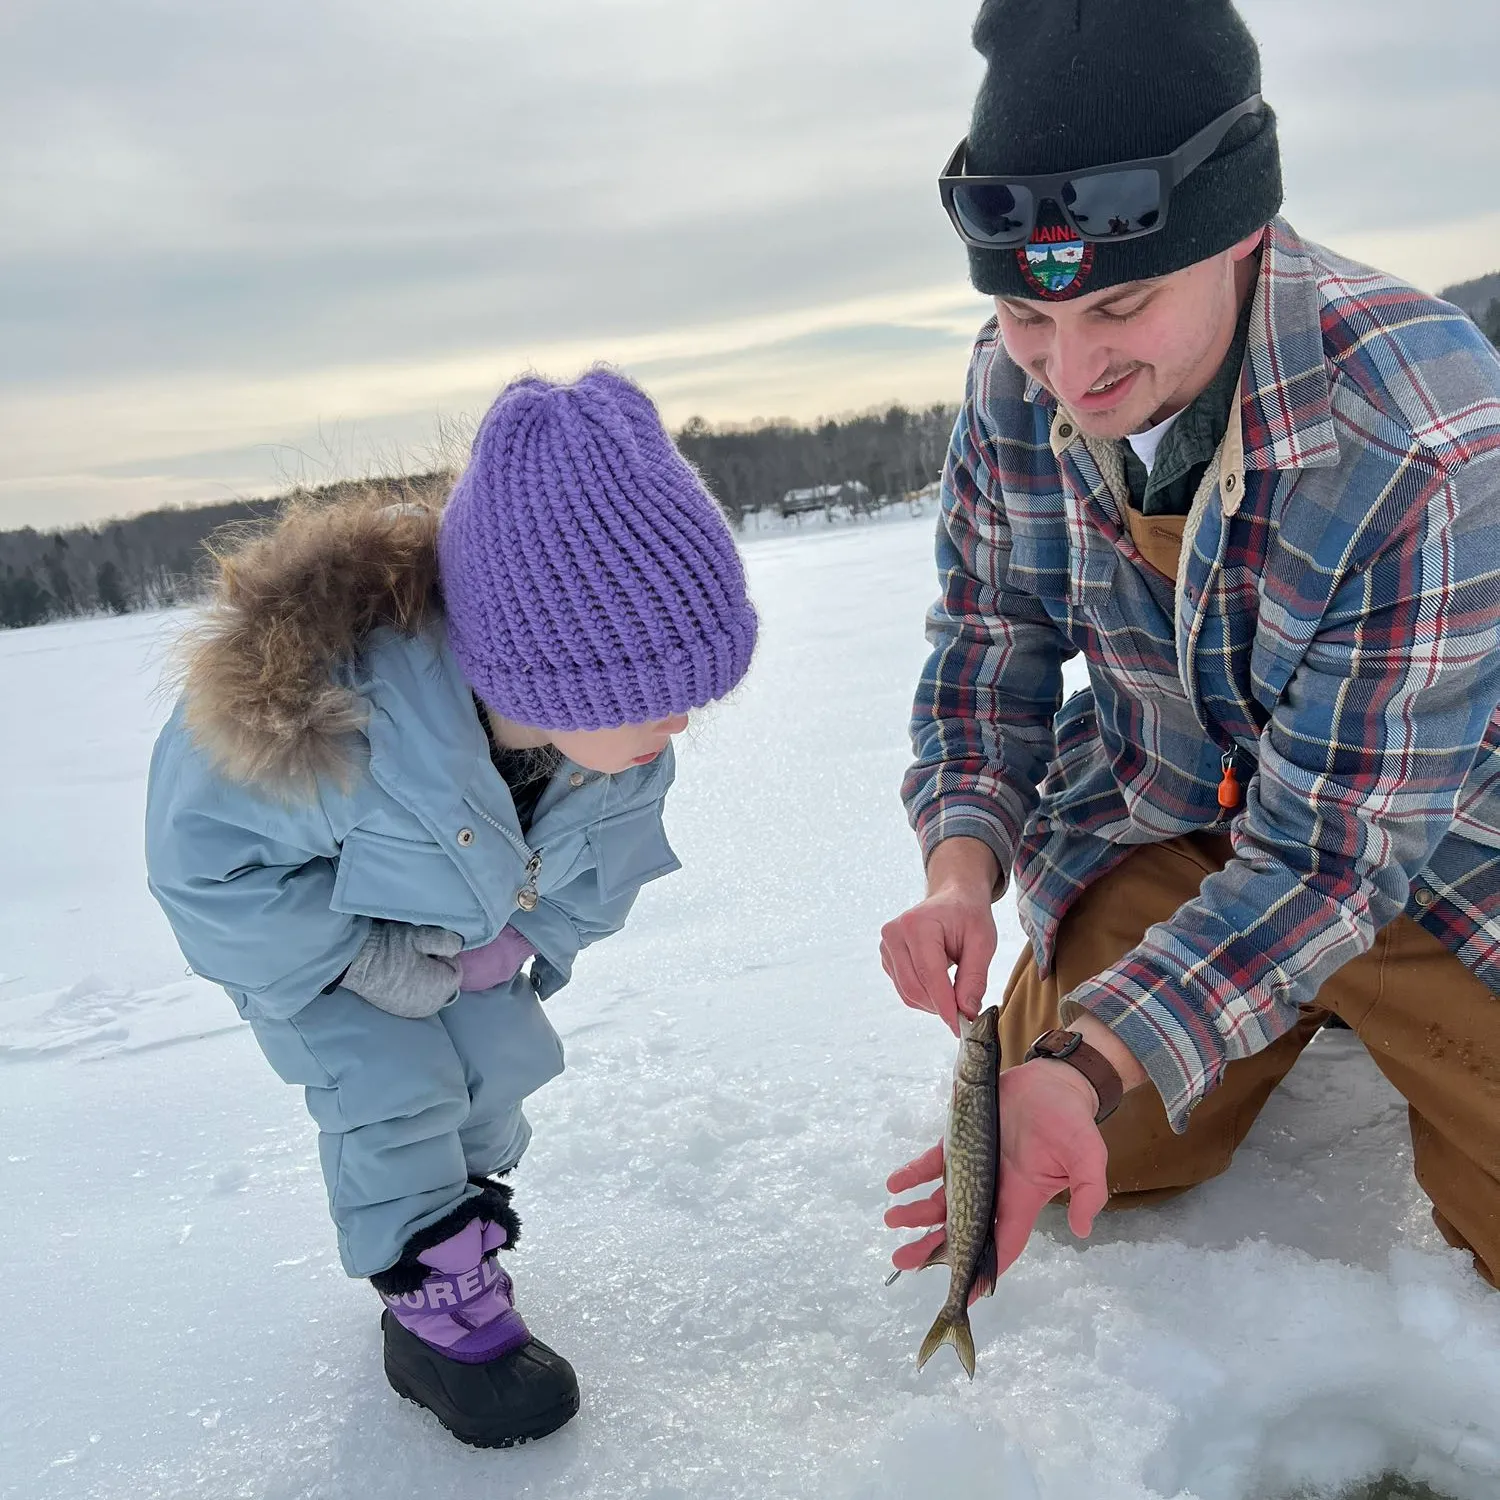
(454,1341)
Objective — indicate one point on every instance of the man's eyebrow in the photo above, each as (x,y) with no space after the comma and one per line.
(1024,307)
(1131,289)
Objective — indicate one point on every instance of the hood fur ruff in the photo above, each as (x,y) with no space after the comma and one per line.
(287,608)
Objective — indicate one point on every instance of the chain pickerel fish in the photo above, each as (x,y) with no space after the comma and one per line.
(971,1163)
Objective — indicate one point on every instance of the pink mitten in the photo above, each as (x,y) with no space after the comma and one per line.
(495,963)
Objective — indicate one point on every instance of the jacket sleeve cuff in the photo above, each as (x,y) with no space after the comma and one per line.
(969,823)
(1173,1057)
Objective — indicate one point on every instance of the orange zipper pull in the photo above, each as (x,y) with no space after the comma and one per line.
(1229,788)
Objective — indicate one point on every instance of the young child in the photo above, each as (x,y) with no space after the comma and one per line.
(415,751)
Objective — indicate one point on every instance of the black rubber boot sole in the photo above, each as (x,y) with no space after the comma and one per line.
(518,1398)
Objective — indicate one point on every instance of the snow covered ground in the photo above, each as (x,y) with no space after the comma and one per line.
(704,1193)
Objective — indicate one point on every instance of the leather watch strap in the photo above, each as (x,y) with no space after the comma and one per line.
(1061,1045)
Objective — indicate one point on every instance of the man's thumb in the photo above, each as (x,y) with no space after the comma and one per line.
(973,976)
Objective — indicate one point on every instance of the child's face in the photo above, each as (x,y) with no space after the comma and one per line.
(611,750)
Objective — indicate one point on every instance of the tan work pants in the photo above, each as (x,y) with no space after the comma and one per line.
(1432,1028)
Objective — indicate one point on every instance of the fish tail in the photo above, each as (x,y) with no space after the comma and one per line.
(952,1327)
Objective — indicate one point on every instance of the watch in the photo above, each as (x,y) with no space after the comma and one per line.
(1069,1047)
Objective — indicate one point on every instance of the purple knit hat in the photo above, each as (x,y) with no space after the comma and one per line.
(589,579)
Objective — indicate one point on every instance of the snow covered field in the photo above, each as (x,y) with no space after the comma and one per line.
(703,1196)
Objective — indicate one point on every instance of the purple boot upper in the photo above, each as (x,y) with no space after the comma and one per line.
(463,1307)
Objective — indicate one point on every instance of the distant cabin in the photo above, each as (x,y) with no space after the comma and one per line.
(851,495)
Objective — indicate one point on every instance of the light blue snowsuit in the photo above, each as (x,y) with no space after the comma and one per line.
(272,897)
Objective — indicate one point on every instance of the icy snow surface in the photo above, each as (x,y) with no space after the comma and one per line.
(703,1197)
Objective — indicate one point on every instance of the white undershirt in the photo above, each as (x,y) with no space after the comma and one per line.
(1146,443)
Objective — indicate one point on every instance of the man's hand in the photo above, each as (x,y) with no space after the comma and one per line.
(953,926)
(1048,1142)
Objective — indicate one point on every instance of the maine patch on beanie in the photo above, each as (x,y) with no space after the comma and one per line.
(588,578)
(1071,84)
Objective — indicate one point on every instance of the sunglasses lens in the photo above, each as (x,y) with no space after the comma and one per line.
(1110,203)
(993,213)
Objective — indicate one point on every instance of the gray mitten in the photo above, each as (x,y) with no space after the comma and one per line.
(407,971)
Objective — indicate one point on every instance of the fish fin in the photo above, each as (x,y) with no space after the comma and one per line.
(950,1328)
(939,1257)
(983,1284)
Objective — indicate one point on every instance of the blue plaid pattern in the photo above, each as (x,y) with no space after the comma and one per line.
(1336,631)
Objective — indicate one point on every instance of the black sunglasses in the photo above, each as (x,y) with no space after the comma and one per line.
(1119,202)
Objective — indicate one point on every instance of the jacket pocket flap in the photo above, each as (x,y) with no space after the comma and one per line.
(405,880)
(630,850)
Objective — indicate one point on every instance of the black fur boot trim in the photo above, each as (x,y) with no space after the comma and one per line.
(492,1204)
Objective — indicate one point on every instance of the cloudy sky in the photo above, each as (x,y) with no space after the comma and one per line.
(243,245)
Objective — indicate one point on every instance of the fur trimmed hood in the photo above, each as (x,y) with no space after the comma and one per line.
(287,609)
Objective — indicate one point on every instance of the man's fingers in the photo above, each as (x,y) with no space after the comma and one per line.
(914,1256)
(928,1167)
(1089,1184)
(1084,1207)
(895,958)
(932,975)
(923,984)
(973,976)
(1016,1210)
(947,1010)
(922,1214)
(918,949)
(919,1215)
(888,941)
(888,964)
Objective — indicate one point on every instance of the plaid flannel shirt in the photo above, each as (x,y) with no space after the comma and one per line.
(1336,631)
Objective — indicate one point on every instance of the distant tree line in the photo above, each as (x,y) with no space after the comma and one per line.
(150,561)
(1479,298)
(891,453)
(158,559)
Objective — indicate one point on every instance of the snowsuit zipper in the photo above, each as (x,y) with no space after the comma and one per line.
(528,896)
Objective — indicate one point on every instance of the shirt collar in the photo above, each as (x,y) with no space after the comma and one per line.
(1286,394)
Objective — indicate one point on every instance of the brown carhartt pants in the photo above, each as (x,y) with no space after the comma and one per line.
(1431,1026)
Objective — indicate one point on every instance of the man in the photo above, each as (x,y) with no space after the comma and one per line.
(1258,488)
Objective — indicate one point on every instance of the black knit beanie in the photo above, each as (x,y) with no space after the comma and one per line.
(1084,83)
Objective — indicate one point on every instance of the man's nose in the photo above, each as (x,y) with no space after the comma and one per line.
(675,725)
(1075,362)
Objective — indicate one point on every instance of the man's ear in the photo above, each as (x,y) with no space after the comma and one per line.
(1247,246)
